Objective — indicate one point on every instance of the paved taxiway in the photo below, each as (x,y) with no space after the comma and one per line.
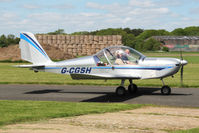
(187,97)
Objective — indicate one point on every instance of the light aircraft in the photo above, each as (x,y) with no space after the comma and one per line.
(115,62)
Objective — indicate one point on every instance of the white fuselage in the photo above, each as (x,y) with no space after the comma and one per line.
(86,68)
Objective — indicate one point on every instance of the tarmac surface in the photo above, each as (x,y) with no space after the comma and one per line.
(181,97)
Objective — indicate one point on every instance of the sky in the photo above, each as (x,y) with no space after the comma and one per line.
(42,16)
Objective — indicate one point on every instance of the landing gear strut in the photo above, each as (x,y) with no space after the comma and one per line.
(132,88)
(165,90)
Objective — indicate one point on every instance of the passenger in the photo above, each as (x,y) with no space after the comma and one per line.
(119,61)
(125,55)
(122,57)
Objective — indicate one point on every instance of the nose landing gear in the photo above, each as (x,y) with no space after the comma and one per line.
(165,90)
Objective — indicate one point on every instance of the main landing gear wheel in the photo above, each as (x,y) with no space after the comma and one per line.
(166,90)
(120,91)
(132,88)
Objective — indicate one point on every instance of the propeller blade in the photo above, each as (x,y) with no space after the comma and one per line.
(181,75)
(181,54)
(182,66)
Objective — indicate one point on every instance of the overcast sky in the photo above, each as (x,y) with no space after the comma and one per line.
(41,16)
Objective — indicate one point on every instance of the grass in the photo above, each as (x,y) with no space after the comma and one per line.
(194,130)
(13,111)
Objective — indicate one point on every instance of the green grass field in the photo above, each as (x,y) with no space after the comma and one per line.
(194,130)
(13,111)
(11,75)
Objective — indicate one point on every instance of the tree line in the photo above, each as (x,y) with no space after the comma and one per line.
(139,39)
(8,40)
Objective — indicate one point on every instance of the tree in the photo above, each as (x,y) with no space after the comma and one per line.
(135,32)
(3,41)
(128,40)
(140,40)
(139,44)
(57,32)
(11,39)
(179,32)
(149,33)
(111,31)
(165,49)
(81,33)
(127,30)
(192,30)
(151,45)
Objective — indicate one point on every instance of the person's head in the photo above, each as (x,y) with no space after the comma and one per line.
(127,51)
(119,53)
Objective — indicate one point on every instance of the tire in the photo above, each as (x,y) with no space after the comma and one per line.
(120,91)
(132,88)
(166,90)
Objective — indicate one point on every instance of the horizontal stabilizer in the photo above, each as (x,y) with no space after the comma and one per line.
(30,66)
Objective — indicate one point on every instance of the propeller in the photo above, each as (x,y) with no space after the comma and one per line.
(182,63)
(182,66)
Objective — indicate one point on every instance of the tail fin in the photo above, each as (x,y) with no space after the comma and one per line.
(31,50)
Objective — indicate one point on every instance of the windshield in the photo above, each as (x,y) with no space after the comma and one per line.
(119,55)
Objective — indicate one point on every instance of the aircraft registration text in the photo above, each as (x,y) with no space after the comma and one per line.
(76,70)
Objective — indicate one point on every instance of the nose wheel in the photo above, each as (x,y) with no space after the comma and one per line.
(165,90)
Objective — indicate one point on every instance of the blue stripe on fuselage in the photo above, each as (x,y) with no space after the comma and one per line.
(103,67)
(53,67)
(143,68)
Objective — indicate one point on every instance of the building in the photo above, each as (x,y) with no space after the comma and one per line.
(177,43)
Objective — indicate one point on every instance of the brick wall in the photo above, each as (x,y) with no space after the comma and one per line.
(80,44)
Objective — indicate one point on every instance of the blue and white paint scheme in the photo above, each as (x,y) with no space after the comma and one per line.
(116,62)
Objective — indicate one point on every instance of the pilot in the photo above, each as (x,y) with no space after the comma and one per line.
(122,57)
(125,55)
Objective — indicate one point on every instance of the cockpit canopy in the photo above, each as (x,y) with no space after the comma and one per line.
(118,55)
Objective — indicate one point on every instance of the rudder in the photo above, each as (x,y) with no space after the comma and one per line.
(31,50)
